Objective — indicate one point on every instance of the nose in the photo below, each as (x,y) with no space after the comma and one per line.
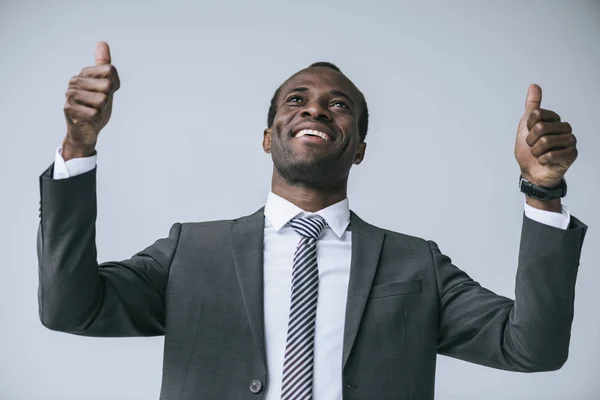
(316,110)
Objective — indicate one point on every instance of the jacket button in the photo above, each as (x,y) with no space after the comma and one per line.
(255,386)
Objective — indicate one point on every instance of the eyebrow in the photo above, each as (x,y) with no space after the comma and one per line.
(334,92)
(298,89)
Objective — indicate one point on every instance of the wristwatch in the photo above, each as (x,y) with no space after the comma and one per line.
(541,193)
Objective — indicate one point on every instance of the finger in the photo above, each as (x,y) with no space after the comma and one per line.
(103,72)
(541,129)
(81,114)
(91,99)
(541,115)
(553,142)
(102,53)
(98,71)
(101,85)
(564,157)
(534,97)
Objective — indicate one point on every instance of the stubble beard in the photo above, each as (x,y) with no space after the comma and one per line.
(319,173)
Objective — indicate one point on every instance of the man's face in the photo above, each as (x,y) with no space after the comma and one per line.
(314,137)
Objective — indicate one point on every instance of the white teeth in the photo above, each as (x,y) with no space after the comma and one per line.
(312,132)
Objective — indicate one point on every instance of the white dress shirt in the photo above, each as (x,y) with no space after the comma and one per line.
(333,259)
(334,250)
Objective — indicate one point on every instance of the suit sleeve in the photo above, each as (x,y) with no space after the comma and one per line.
(76,294)
(529,334)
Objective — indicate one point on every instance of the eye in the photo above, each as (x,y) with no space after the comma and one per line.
(294,99)
(339,103)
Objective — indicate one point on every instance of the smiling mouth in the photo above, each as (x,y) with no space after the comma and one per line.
(314,133)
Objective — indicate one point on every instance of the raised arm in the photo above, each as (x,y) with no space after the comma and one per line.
(531,333)
(77,295)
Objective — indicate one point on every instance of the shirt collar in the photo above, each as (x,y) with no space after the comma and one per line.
(280,211)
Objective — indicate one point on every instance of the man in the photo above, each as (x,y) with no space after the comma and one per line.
(303,299)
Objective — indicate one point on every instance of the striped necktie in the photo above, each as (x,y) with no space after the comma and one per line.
(299,349)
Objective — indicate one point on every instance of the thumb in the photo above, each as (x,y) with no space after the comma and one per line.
(534,98)
(102,53)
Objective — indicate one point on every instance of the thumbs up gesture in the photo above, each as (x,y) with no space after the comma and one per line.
(546,146)
(88,105)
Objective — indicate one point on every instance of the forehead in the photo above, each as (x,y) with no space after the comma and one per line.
(321,79)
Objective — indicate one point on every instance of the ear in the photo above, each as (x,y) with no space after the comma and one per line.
(266,144)
(360,153)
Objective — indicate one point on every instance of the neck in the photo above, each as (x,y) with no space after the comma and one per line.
(308,197)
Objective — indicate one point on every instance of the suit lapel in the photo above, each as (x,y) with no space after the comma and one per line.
(247,235)
(366,248)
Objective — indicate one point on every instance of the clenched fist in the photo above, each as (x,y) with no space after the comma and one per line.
(546,146)
(89,104)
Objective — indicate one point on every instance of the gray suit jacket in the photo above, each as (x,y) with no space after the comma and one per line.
(202,287)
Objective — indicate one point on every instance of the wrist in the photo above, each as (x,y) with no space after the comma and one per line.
(554,205)
(71,150)
(544,184)
(544,198)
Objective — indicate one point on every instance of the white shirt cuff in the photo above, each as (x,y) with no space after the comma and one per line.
(558,220)
(73,167)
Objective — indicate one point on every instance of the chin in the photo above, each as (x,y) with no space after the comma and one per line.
(322,172)
(300,173)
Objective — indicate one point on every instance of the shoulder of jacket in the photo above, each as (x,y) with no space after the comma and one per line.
(222,224)
(390,234)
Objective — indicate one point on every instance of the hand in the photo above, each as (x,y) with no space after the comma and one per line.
(89,104)
(545,147)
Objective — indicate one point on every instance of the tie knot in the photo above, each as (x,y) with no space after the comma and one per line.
(310,227)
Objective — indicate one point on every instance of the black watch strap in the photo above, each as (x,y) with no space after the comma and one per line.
(542,193)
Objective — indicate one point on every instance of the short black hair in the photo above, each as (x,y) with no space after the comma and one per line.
(363,118)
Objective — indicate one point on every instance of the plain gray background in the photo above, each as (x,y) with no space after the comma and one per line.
(445,83)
